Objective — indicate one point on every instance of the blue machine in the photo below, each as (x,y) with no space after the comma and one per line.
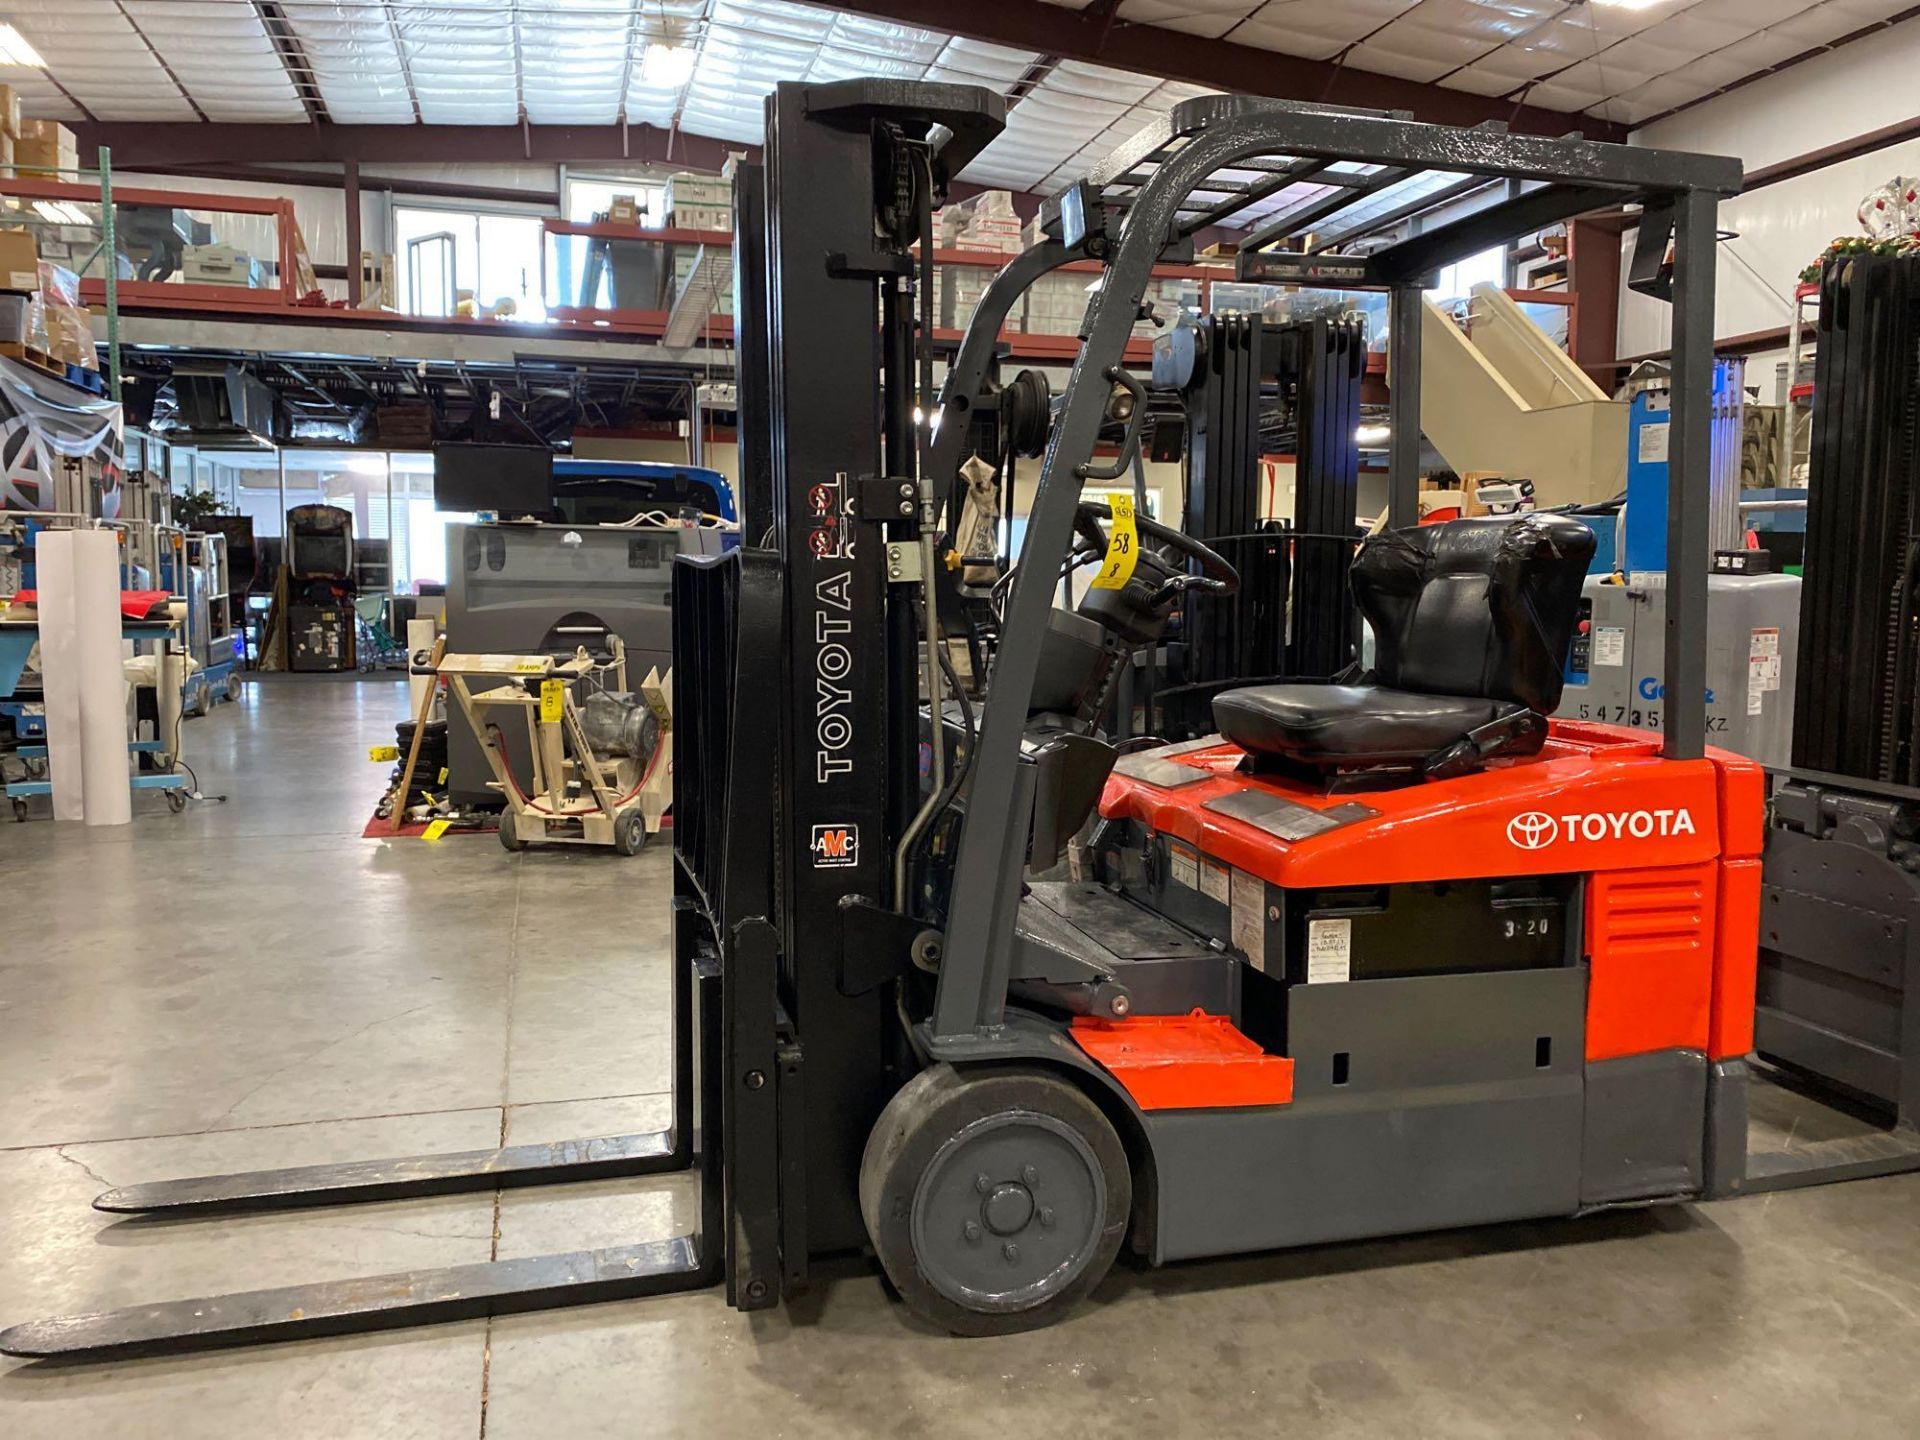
(595,486)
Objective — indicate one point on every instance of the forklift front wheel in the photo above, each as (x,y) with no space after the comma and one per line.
(995,1199)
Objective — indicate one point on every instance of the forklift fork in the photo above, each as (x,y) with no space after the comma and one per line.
(692,1261)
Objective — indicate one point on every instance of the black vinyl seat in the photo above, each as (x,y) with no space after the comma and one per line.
(1471,619)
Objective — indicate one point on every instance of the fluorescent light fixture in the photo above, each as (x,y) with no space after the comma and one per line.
(1369,436)
(1629,4)
(668,66)
(14,50)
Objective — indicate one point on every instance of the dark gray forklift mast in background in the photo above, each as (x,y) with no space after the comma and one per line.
(1198,139)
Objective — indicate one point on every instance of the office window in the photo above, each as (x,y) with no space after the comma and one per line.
(590,195)
(444,256)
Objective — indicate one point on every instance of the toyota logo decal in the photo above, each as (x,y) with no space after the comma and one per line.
(1533,830)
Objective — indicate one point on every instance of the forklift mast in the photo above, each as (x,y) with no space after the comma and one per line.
(849,183)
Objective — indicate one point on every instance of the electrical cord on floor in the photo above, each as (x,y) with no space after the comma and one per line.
(173,751)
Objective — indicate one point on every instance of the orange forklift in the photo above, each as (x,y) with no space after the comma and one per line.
(1376,957)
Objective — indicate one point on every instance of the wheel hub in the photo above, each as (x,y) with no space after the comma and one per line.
(1008,1209)
(1009,1212)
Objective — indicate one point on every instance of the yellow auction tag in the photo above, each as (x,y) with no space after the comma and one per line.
(377,753)
(435,830)
(443,776)
(553,695)
(1123,547)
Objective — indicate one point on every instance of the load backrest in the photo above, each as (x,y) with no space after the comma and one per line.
(1475,607)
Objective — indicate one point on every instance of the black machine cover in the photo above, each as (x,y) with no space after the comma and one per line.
(1471,620)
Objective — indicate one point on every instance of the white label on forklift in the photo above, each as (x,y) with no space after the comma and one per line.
(1610,645)
(1216,882)
(1183,866)
(1249,906)
(1329,951)
(1763,655)
(1653,443)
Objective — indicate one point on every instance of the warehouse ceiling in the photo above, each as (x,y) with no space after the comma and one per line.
(702,67)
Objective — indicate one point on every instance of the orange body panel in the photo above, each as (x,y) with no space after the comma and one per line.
(1650,960)
(1186,1062)
(1736,960)
(1670,847)
(1592,782)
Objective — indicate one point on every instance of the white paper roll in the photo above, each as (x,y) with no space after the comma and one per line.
(103,679)
(420,635)
(60,670)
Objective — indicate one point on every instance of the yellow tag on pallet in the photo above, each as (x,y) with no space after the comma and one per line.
(443,776)
(435,830)
(379,753)
(1123,547)
(553,694)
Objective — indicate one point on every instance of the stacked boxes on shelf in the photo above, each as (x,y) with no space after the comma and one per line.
(57,323)
(987,221)
(45,145)
(40,307)
(958,289)
(699,202)
(1057,303)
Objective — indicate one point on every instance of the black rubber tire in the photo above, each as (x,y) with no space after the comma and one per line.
(202,701)
(234,685)
(630,833)
(509,837)
(176,800)
(913,1174)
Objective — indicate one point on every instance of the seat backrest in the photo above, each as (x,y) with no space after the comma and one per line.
(1475,607)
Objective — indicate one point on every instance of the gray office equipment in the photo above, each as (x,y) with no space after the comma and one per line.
(1753,633)
(523,588)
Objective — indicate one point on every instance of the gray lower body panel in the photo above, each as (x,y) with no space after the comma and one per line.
(1419,1104)
(1646,1127)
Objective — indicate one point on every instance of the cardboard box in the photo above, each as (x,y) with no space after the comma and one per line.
(701,217)
(9,111)
(70,336)
(44,145)
(19,263)
(688,189)
(623,210)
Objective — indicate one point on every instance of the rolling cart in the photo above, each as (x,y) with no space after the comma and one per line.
(602,760)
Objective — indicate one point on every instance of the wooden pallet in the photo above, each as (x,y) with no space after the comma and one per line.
(29,355)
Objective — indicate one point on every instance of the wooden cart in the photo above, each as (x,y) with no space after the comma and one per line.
(577,796)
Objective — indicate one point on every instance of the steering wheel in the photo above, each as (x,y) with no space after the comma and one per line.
(1217,577)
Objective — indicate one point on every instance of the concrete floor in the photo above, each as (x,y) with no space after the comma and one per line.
(253,984)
